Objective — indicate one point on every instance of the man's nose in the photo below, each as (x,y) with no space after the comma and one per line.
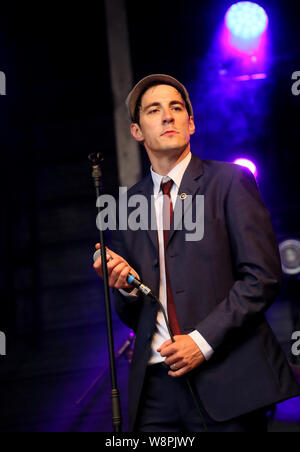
(168,116)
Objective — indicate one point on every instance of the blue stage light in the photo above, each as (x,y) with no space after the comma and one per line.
(246,20)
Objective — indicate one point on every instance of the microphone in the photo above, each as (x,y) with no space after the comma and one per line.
(131,279)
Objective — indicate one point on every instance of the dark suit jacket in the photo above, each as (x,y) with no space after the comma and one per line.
(222,286)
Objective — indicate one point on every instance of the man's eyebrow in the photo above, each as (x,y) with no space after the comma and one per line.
(153,104)
(175,102)
(157,104)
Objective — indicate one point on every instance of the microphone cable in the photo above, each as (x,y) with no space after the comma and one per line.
(135,282)
(131,279)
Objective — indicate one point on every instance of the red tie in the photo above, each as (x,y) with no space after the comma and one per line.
(167,216)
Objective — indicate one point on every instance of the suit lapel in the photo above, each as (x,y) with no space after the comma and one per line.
(191,184)
(146,189)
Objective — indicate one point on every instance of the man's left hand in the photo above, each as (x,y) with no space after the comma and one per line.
(182,356)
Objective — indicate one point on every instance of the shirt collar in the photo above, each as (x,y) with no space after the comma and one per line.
(176,174)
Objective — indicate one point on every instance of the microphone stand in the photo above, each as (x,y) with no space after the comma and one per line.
(96,159)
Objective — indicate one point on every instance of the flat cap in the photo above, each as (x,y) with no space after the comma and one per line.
(146,82)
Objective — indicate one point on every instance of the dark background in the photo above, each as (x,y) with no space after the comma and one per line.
(57,110)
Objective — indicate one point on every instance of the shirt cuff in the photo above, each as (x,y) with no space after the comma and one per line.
(204,346)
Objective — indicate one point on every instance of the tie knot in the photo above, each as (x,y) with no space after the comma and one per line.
(166,187)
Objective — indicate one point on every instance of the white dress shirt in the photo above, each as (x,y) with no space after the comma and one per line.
(161,332)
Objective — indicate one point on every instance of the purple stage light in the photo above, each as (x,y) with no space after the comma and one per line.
(248,164)
(246,20)
(246,78)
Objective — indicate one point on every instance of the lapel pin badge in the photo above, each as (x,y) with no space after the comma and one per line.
(183,196)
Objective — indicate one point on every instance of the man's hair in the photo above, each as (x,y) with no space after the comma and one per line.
(136,116)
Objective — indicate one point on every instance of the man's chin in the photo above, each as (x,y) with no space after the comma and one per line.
(178,150)
(172,145)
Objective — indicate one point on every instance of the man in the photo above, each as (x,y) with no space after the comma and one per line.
(215,289)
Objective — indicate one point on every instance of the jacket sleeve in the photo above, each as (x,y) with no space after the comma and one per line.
(256,262)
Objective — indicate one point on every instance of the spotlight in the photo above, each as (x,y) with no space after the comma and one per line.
(246,20)
(248,164)
(290,256)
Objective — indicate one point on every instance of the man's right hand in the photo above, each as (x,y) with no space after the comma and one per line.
(118,270)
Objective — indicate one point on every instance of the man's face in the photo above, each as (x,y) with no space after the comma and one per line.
(165,125)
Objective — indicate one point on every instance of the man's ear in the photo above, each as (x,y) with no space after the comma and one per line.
(192,126)
(136,132)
